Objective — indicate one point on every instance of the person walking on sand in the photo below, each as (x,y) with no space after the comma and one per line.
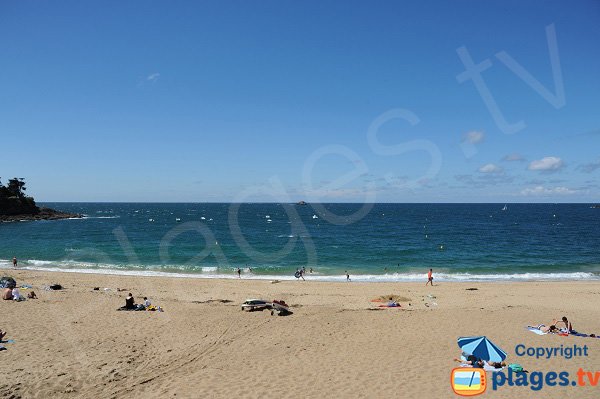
(429,278)
(239,272)
(15,262)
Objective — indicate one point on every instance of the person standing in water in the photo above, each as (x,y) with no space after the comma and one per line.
(429,278)
(347,276)
(15,262)
(239,272)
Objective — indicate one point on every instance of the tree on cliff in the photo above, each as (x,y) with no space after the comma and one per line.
(16,206)
(13,200)
(16,186)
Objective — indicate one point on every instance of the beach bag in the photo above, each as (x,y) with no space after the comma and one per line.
(517,368)
(7,282)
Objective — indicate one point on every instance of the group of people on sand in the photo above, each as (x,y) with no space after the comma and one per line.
(131,305)
(477,363)
(15,295)
(566,328)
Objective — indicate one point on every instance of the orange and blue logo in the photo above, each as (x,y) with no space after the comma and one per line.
(467,381)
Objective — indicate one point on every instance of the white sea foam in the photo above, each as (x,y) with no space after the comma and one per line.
(36,262)
(213,272)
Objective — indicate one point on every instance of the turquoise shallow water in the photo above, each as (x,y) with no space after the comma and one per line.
(373,242)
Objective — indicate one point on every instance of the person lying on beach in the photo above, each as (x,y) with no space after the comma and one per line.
(392,303)
(2,334)
(496,365)
(546,329)
(471,361)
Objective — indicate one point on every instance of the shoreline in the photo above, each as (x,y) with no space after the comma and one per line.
(362,278)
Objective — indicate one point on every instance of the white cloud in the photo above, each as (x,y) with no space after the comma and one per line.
(473,137)
(541,190)
(513,158)
(491,168)
(153,77)
(546,164)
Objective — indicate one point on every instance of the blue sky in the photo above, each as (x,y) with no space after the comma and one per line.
(321,101)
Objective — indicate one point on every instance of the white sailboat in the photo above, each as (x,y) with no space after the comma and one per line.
(505,207)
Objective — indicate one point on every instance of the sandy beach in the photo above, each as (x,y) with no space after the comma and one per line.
(73,343)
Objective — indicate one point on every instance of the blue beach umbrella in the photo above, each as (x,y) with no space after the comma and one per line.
(482,348)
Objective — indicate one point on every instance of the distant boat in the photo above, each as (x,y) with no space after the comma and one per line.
(301,203)
(597,206)
(505,207)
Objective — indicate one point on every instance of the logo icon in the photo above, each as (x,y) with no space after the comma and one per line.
(467,381)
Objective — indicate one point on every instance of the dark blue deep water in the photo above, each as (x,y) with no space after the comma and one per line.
(372,242)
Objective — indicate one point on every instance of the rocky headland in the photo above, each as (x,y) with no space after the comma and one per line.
(16,206)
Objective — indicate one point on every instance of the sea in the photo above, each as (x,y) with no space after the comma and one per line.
(369,242)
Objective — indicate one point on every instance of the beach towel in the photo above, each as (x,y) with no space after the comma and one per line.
(486,366)
(536,330)
(390,306)
(578,334)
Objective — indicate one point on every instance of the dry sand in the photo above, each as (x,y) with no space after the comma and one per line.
(337,344)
